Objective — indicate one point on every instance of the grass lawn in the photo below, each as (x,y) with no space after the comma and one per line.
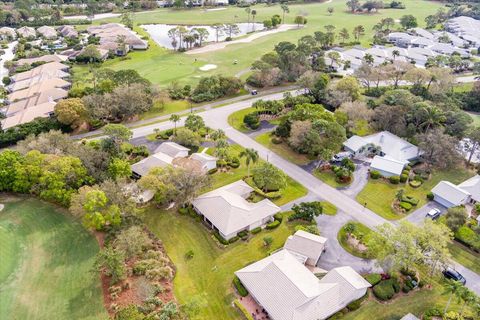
(379,194)
(328,208)
(329,178)
(169,107)
(416,302)
(206,278)
(361,231)
(162,66)
(465,256)
(282,149)
(294,190)
(46,258)
(475,117)
(236,119)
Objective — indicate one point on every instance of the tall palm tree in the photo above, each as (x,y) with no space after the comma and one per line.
(251,156)
(254,13)
(395,54)
(248,11)
(368,58)
(432,117)
(285,9)
(175,118)
(358,31)
(453,288)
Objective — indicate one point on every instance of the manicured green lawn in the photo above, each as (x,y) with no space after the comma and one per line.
(416,302)
(362,232)
(294,190)
(282,149)
(328,208)
(206,279)
(236,119)
(476,118)
(46,260)
(169,107)
(329,178)
(379,194)
(464,256)
(163,66)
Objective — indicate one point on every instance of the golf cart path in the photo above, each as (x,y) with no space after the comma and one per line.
(221,45)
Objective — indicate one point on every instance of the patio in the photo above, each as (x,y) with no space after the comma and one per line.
(257,312)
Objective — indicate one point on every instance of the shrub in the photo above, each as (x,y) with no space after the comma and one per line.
(373,278)
(394,179)
(239,286)
(405,205)
(245,312)
(415,183)
(403,178)
(410,200)
(220,238)
(430,196)
(243,234)
(252,120)
(354,305)
(406,172)
(234,163)
(386,289)
(276,140)
(273,225)
(272,195)
(468,237)
(374,174)
(432,312)
(278,217)
(212,171)
(256,230)
(233,240)
(183,211)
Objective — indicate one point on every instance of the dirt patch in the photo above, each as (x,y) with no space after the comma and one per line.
(356,244)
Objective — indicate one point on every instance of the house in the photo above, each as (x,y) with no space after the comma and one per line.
(465,28)
(52,70)
(7,33)
(228,211)
(306,246)
(472,186)
(383,143)
(449,195)
(45,58)
(164,156)
(111,33)
(47,32)
(24,114)
(68,31)
(26,32)
(207,161)
(387,166)
(287,290)
(38,88)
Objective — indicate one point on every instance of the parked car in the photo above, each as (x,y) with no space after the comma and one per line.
(434,213)
(340,156)
(450,273)
(254,92)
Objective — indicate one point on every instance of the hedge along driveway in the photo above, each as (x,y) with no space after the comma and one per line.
(379,194)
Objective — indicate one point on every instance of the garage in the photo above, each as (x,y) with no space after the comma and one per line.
(449,195)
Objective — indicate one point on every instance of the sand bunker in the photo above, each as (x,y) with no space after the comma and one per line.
(208,67)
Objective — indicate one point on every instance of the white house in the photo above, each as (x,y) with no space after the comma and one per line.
(207,161)
(287,290)
(449,195)
(387,166)
(306,246)
(227,210)
(472,186)
(163,156)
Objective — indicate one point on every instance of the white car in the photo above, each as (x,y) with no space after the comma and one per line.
(434,213)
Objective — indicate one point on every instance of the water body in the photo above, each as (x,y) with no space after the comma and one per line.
(159,32)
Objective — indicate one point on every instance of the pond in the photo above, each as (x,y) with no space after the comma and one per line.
(159,32)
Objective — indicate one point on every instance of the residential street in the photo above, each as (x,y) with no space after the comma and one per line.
(349,209)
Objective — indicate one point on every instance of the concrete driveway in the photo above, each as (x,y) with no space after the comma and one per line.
(419,215)
(360,180)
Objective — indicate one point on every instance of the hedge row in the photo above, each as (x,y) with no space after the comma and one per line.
(386,289)
(244,311)
(239,286)
(468,237)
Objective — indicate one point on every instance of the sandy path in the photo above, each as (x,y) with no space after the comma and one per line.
(221,45)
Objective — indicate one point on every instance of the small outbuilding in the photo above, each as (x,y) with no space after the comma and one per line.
(449,195)
(387,166)
(306,246)
(207,161)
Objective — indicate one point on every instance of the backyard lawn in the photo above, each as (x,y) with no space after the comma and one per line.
(282,149)
(46,260)
(465,256)
(205,280)
(294,190)
(168,108)
(475,117)
(162,66)
(379,194)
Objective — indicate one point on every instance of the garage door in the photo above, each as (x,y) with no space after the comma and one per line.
(443,202)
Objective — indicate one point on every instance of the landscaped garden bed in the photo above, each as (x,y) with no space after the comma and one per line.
(353,237)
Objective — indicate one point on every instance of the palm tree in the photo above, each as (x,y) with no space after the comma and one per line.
(368,58)
(254,13)
(202,35)
(432,117)
(453,288)
(358,31)
(395,54)
(285,9)
(250,155)
(248,11)
(468,297)
(344,34)
(175,118)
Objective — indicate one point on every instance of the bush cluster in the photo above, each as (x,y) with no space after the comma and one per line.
(256,230)
(373,278)
(394,179)
(405,205)
(374,174)
(468,237)
(386,289)
(273,225)
(239,286)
